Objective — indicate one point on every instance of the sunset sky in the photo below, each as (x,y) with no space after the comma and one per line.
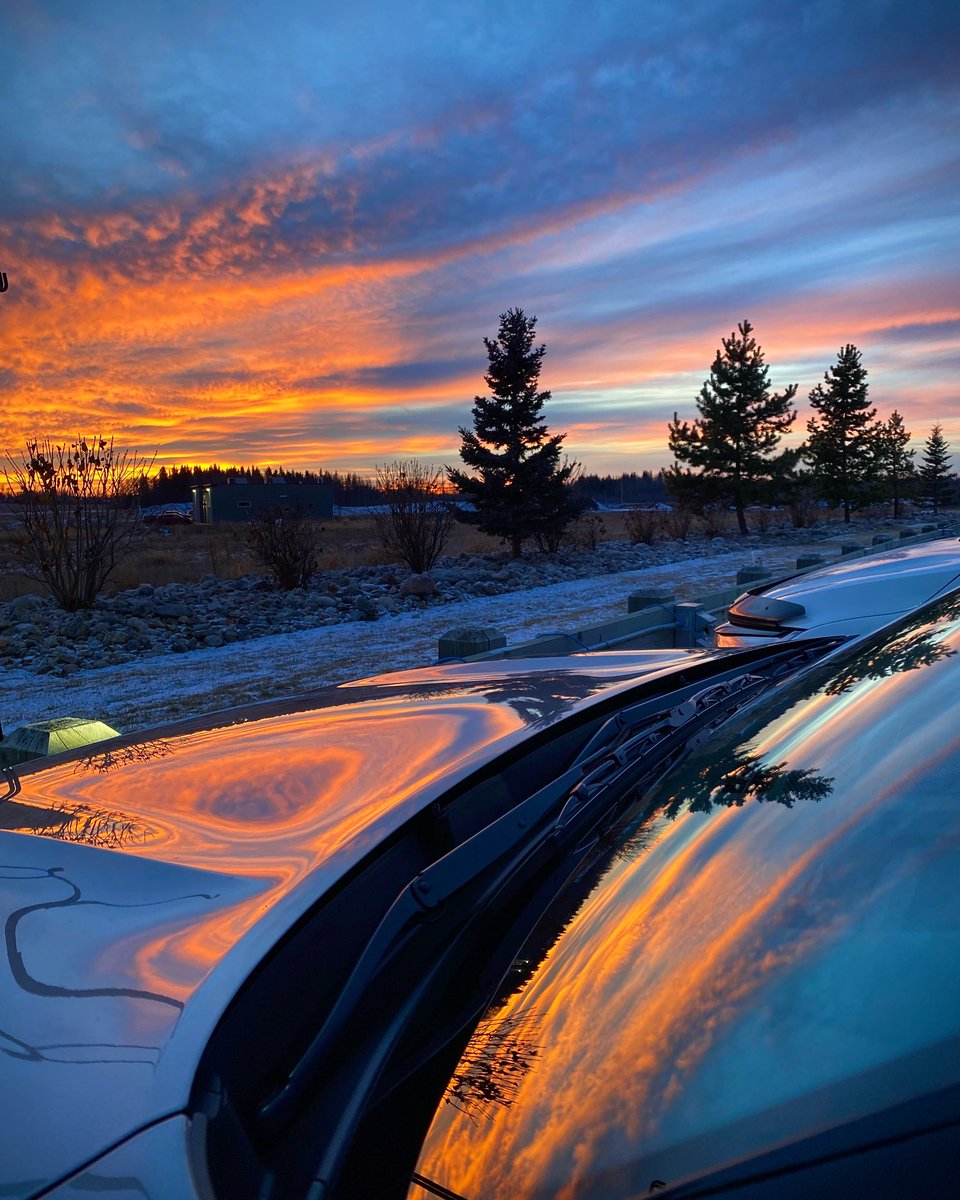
(277,234)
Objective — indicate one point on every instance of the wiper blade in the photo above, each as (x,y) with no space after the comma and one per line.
(417,948)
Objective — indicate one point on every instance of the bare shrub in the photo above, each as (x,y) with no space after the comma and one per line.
(677,523)
(287,544)
(762,519)
(803,511)
(77,514)
(644,525)
(715,522)
(588,531)
(417,518)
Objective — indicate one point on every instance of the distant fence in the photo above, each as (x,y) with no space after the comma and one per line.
(657,621)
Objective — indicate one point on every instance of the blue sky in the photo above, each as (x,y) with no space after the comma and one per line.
(255,233)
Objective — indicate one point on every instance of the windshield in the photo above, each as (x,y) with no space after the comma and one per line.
(771,948)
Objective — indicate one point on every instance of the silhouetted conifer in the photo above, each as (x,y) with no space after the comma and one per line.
(731,445)
(840,448)
(520,489)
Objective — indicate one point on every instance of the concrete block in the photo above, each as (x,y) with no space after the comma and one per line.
(910,532)
(639,600)
(810,560)
(687,616)
(850,548)
(752,575)
(633,624)
(463,643)
(881,539)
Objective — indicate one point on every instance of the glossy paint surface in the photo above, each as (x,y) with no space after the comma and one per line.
(773,948)
(856,596)
(142,881)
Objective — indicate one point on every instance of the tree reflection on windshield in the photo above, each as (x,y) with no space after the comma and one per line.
(919,648)
(720,783)
(492,1068)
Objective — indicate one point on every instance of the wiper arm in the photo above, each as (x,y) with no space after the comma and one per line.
(417,947)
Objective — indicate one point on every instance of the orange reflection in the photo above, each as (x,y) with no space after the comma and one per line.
(651,976)
(257,806)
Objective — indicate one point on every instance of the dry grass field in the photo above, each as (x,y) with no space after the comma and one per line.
(185,553)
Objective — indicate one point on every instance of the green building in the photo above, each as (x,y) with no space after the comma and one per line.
(247,501)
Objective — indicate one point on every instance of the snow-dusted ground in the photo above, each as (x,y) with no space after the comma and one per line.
(138,695)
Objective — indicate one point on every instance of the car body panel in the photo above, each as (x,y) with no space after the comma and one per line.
(772,950)
(144,878)
(153,1165)
(853,596)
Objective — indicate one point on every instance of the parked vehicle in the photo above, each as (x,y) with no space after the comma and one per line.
(750,989)
(702,898)
(167,514)
(847,598)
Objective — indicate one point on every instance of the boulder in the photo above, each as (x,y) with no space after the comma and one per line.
(420,586)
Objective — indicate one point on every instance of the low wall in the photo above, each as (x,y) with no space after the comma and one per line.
(664,623)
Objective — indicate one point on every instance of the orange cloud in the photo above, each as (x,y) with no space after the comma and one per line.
(235,327)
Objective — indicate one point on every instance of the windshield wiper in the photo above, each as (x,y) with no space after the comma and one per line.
(418,946)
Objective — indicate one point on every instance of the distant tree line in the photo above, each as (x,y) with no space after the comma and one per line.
(629,488)
(171,485)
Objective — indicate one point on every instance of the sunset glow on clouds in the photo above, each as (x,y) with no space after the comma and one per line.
(252,236)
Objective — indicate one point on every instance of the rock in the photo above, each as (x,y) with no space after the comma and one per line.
(420,586)
(367,609)
(75,626)
(26,604)
(171,610)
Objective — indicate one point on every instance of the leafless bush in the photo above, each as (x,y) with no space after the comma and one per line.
(678,522)
(644,525)
(762,519)
(588,531)
(803,511)
(416,519)
(76,511)
(715,522)
(287,544)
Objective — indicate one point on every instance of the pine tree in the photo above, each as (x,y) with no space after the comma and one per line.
(894,462)
(935,467)
(839,448)
(520,489)
(731,444)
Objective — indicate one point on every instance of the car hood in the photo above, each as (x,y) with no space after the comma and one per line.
(896,581)
(770,948)
(143,879)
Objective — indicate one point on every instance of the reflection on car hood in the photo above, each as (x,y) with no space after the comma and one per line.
(129,872)
(893,582)
(772,948)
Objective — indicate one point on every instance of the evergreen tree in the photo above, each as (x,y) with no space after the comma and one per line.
(520,489)
(935,467)
(731,444)
(894,462)
(839,448)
